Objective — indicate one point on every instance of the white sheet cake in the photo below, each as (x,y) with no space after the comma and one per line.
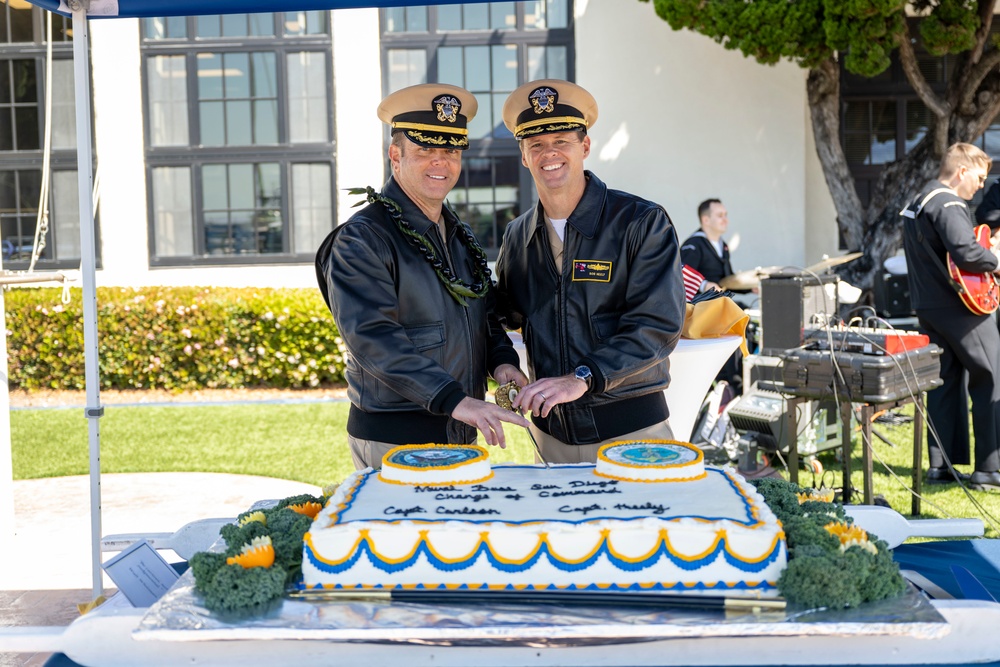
(530,526)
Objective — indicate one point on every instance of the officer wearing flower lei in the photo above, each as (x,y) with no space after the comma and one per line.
(411,293)
(592,277)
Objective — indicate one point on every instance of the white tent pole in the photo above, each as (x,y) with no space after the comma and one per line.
(88,255)
(6,463)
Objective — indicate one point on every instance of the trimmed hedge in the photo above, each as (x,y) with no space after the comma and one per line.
(175,338)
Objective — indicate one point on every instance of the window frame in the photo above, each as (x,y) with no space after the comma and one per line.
(430,41)
(196,156)
(60,159)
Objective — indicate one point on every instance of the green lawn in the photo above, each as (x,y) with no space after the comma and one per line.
(307,442)
(304,442)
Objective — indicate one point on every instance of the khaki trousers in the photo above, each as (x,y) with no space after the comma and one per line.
(557,451)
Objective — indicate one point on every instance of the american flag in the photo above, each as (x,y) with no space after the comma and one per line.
(692,281)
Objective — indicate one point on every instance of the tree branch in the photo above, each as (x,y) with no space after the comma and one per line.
(982,69)
(983,34)
(987,112)
(916,78)
(973,71)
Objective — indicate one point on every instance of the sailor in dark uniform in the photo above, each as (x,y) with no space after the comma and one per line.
(938,223)
(706,252)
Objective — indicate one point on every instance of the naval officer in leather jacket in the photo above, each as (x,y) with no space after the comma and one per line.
(409,288)
(592,277)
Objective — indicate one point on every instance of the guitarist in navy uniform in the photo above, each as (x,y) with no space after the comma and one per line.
(706,252)
(937,224)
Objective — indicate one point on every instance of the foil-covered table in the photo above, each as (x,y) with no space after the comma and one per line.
(180,617)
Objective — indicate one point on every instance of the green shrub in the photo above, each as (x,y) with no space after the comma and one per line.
(175,338)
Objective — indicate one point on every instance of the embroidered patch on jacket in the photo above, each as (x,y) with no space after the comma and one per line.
(592,270)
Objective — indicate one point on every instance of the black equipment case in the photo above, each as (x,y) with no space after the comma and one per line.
(869,378)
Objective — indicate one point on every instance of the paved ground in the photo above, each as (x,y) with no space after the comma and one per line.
(45,570)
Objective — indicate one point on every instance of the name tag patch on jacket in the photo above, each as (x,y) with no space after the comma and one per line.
(592,270)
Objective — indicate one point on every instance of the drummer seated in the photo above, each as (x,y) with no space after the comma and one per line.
(706,254)
(705,251)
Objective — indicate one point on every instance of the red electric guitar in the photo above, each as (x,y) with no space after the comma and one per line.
(981,292)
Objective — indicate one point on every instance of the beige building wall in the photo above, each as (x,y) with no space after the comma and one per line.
(821,216)
(683,119)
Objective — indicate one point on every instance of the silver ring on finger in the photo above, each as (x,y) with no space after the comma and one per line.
(544,397)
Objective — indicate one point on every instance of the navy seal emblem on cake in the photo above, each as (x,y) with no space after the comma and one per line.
(651,461)
(436,464)
(433,458)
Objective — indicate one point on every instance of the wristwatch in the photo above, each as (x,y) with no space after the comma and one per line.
(583,373)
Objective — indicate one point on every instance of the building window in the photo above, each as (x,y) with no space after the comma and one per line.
(53,235)
(882,119)
(239,137)
(870,132)
(488,49)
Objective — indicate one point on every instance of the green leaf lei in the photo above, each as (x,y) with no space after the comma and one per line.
(457,288)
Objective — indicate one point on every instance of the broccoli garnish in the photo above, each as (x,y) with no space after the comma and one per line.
(820,581)
(780,496)
(820,573)
(807,532)
(286,528)
(235,589)
(236,536)
(204,565)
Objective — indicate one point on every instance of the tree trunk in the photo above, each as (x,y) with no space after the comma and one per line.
(823,92)
(895,188)
(875,230)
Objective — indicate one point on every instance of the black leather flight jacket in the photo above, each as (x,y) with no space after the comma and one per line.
(414,352)
(616,305)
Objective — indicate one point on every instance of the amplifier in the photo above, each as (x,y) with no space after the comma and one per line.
(762,412)
(864,378)
(790,305)
(865,340)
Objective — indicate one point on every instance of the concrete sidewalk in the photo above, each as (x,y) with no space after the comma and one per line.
(45,570)
(51,545)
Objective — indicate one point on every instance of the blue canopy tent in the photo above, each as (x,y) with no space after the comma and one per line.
(81,10)
(151,8)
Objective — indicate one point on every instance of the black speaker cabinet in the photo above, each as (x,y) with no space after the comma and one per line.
(892,295)
(791,304)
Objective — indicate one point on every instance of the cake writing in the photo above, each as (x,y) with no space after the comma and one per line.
(566,509)
(466,510)
(570,495)
(575,492)
(474,497)
(407,511)
(399,511)
(646,507)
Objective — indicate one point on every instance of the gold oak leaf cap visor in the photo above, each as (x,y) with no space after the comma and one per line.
(434,115)
(549,105)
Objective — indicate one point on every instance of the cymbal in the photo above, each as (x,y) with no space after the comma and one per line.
(748,279)
(830,262)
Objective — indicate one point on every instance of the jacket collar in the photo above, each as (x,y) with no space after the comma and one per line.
(586,217)
(412,213)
